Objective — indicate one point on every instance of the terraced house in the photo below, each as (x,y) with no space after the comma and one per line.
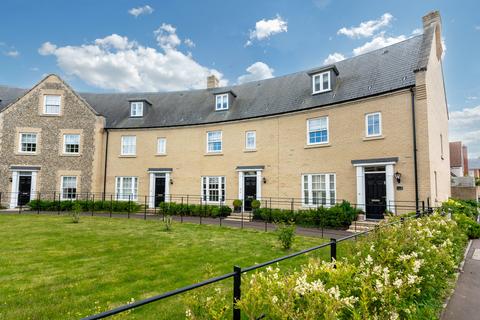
(371,129)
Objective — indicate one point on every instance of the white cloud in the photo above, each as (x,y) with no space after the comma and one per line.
(256,71)
(47,48)
(464,125)
(115,62)
(264,29)
(321,4)
(379,41)
(12,53)
(140,10)
(472,98)
(477,28)
(417,32)
(189,43)
(34,69)
(367,28)
(166,36)
(334,57)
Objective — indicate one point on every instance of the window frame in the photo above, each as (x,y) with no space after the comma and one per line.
(119,186)
(122,144)
(45,97)
(20,143)
(223,97)
(327,127)
(221,142)
(205,194)
(164,145)
(65,143)
(328,190)
(379,134)
(321,89)
(136,105)
(254,147)
(62,187)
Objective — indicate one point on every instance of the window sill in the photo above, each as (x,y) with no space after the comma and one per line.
(373,138)
(249,150)
(160,155)
(27,153)
(70,155)
(320,145)
(49,115)
(127,156)
(213,154)
(320,92)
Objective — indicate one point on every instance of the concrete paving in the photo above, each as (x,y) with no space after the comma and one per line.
(464,304)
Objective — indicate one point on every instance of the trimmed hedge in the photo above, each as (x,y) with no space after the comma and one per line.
(67,205)
(214,211)
(338,216)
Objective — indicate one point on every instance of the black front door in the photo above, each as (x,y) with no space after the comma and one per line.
(250,187)
(375,195)
(159,190)
(24,187)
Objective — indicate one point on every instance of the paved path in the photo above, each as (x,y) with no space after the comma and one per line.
(257,225)
(465,301)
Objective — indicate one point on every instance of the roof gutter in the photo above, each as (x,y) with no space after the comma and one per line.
(415,164)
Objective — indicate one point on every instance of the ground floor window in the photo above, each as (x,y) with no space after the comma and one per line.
(319,189)
(126,188)
(69,188)
(213,189)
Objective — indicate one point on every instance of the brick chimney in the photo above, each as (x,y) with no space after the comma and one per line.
(212,82)
(433,19)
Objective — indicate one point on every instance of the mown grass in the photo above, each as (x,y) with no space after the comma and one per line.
(51,268)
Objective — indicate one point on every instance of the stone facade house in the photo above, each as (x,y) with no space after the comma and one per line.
(372,129)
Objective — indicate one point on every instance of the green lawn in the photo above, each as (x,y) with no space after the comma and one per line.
(51,268)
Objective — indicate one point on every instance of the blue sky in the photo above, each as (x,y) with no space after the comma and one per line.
(171,45)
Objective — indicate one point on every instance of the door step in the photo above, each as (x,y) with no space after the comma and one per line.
(361,226)
(237,216)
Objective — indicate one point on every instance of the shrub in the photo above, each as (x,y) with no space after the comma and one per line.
(214,211)
(338,216)
(455,206)
(237,203)
(286,234)
(468,225)
(402,271)
(77,209)
(167,221)
(86,205)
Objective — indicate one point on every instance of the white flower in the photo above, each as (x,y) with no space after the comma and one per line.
(393,316)
(398,283)
(416,265)
(379,286)
(274,299)
(188,313)
(411,279)
(368,259)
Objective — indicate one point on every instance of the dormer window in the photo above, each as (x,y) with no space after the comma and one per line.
(321,82)
(221,102)
(136,109)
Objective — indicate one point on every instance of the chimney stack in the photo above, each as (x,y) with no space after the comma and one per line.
(431,17)
(433,20)
(212,82)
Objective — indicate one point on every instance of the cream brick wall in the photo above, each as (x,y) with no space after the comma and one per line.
(281,148)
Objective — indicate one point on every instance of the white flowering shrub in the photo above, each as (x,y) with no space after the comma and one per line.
(399,272)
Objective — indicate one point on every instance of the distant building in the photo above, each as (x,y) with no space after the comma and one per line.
(474,168)
(458,159)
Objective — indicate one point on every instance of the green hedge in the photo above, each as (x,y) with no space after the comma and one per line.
(338,216)
(214,211)
(67,205)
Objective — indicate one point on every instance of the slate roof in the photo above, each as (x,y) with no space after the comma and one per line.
(387,69)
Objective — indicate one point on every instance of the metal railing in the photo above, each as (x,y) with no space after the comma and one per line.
(237,275)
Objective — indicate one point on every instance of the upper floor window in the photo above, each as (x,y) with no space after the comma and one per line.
(71,143)
(213,189)
(214,141)
(129,145)
(321,82)
(318,189)
(373,124)
(51,104)
(221,102)
(317,130)
(69,188)
(126,188)
(250,140)
(28,142)
(136,109)
(161,146)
